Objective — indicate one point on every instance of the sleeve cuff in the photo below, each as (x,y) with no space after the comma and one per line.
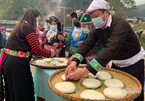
(79,57)
(94,66)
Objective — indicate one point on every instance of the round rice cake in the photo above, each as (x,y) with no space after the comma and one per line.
(90,75)
(62,59)
(115,92)
(113,83)
(63,77)
(40,62)
(91,83)
(47,59)
(66,87)
(103,75)
(55,63)
(92,94)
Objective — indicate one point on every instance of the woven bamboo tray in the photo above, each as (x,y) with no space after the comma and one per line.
(133,86)
(41,66)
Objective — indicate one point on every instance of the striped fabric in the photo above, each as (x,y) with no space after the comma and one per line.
(36,49)
(95,65)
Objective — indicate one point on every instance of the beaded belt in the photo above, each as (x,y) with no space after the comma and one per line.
(17,53)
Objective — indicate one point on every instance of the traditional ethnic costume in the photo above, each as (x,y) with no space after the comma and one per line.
(75,35)
(16,63)
(51,37)
(120,45)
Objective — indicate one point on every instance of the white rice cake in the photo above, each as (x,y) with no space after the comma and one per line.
(63,77)
(40,62)
(90,75)
(66,87)
(103,75)
(115,92)
(55,63)
(47,59)
(91,83)
(62,59)
(113,83)
(92,94)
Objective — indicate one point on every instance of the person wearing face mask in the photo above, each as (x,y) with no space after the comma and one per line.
(120,44)
(53,38)
(85,20)
(76,35)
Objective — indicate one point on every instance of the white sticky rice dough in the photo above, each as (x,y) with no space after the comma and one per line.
(114,92)
(40,62)
(62,59)
(66,87)
(55,63)
(47,59)
(92,94)
(91,83)
(90,75)
(113,83)
(103,75)
(63,77)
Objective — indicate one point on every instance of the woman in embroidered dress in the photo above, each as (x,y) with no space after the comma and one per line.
(54,37)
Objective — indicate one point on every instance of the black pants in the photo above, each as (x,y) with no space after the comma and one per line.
(137,70)
(18,79)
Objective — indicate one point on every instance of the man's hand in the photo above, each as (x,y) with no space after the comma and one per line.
(71,67)
(78,74)
(70,59)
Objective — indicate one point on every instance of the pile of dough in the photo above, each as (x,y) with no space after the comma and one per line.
(91,83)
(114,92)
(66,87)
(62,59)
(55,63)
(90,75)
(63,77)
(47,59)
(40,62)
(66,61)
(92,94)
(113,83)
(103,75)
(56,59)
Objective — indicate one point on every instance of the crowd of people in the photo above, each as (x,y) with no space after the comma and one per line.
(96,39)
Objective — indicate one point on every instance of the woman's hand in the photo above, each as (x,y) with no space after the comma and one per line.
(71,67)
(40,41)
(55,45)
(78,74)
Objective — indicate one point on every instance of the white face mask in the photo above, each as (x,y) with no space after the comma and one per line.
(53,27)
(86,30)
(98,22)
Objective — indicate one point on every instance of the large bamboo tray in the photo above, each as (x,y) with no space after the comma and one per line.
(133,86)
(46,67)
